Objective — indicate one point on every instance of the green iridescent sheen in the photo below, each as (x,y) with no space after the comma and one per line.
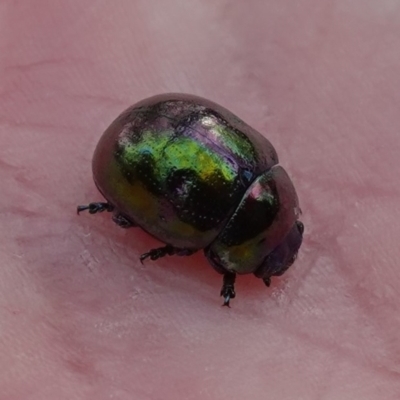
(179,167)
(176,153)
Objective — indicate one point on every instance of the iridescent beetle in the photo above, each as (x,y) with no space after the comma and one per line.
(195,176)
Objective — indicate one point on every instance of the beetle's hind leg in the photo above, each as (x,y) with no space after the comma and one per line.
(98,207)
(228,288)
(168,250)
(94,208)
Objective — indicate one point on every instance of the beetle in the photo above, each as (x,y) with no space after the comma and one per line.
(195,176)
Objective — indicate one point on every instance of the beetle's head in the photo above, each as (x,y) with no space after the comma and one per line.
(283,256)
(275,263)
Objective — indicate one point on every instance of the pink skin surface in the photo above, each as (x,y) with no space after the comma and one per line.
(81,318)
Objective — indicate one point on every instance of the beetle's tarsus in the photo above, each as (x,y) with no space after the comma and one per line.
(155,254)
(228,288)
(94,208)
(267,282)
(226,301)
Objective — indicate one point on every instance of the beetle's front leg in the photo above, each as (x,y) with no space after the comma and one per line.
(168,250)
(228,288)
(94,208)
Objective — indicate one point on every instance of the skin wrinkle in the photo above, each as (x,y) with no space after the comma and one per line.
(28,67)
(82,319)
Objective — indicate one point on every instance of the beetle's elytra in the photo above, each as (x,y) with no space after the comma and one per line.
(195,176)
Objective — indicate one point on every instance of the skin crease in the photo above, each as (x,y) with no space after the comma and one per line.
(81,318)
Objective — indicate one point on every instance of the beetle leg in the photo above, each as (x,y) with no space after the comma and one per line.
(95,208)
(228,288)
(267,282)
(122,221)
(167,250)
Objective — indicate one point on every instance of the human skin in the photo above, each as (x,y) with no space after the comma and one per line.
(81,318)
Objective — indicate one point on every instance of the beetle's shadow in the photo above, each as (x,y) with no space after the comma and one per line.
(134,242)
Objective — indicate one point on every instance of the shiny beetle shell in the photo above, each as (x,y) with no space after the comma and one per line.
(195,176)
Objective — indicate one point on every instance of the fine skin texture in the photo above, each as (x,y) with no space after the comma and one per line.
(81,318)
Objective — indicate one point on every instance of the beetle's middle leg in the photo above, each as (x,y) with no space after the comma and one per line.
(168,250)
